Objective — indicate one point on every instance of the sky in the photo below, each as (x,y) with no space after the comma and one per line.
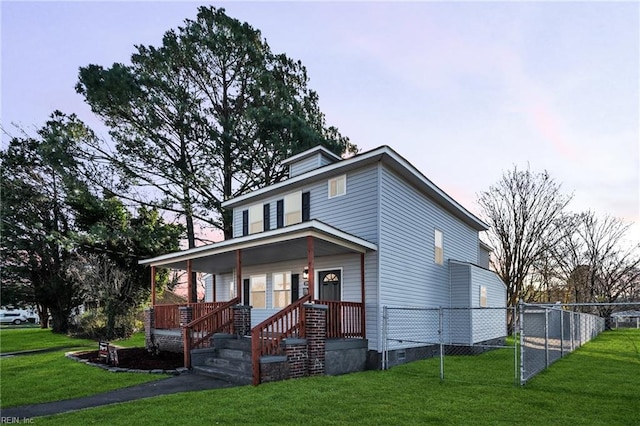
(463,90)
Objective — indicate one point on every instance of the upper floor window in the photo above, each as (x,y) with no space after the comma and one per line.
(255,219)
(439,247)
(337,186)
(281,289)
(293,208)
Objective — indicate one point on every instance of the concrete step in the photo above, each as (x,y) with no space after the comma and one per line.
(233,354)
(237,365)
(242,343)
(224,374)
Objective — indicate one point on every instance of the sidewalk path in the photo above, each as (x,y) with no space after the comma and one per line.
(183,383)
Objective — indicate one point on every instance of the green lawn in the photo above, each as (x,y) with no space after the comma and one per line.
(597,385)
(50,376)
(22,339)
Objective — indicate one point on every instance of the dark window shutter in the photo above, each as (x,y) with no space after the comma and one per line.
(266,217)
(306,206)
(245,223)
(295,287)
(280,214)
(247,289)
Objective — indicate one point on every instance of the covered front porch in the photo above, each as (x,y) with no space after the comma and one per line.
(262,287)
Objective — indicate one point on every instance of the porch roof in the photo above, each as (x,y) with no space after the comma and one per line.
(276,245)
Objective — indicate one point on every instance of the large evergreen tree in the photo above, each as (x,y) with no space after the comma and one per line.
(206,116)
(37,175)
(52,221)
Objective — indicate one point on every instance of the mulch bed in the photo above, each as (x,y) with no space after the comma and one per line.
(139,358)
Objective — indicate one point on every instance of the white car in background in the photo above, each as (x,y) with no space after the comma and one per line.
(12,317)
(18,316)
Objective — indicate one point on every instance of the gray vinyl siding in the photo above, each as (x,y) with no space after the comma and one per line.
(360,197)
(349,264)
(460,279)
(310,163)
(208,288)
(409,275)
(476,325)
(488,323)
(483,257)
(222,287)
(355,212)
(459,320)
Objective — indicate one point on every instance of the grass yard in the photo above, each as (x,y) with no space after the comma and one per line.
(597,385)
(49,376)
(23,339)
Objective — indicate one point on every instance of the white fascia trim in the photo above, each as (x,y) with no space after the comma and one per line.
(309,153)
(312,228)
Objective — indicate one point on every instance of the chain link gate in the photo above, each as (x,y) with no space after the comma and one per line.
(453,335)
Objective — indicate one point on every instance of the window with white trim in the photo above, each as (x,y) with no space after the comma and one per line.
(256,213)
(293,208)
(281,289)
(439,247)
(483,296)
(337,186)
(258,296)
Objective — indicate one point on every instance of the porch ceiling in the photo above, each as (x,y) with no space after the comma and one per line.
(278,245)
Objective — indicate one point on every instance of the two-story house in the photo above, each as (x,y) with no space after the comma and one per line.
(349,236)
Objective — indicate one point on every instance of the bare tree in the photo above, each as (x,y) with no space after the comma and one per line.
(612,268)
(106,285)
(524,210)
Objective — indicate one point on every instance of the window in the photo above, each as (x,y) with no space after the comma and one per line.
(255,218)
(258,297)
(439,248)
(293,208)
(483,296)
(337,186)
(232,290)
(281,289)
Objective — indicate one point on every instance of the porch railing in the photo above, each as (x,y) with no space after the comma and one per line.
(200,330)
(344,319)
(168,316)
(266,337)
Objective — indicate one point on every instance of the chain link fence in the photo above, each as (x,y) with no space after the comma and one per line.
(474,344)
(455,336)
(550,332)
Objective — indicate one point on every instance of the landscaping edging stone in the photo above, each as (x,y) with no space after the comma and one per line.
(112,369)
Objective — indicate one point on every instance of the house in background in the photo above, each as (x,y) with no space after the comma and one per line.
(313,261)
